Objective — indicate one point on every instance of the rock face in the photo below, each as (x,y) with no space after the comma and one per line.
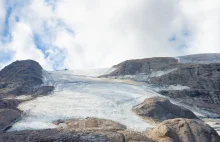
(19,78)
(183,130)
(201,73)
(196,76)
(206,100)
(147,65)
(160,109)
(79,130)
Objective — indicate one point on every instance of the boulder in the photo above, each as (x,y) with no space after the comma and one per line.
(159,109)
(183,130)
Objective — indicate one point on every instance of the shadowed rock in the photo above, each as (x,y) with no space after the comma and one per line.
(183,130)
(160,109)
(203,99)
(8,116)
(148,65)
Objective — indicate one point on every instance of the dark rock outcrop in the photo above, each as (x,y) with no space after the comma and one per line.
(183,130)
(20,78)
(202,79)
(203,99)
(7,117)
(160,109)
(196,76)
(131,67)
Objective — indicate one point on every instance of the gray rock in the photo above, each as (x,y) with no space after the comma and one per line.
(203,99)
(20,78)
(131,67)
(159,109)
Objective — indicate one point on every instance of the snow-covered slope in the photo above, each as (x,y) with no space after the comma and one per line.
(78,96)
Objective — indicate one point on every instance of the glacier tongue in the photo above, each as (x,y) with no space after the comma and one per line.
(81,96)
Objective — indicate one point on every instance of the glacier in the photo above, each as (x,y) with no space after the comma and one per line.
(80,94)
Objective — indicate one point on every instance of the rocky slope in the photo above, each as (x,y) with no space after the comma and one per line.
(203,80)
(19,78)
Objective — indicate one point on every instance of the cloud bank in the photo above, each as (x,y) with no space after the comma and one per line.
(78,34)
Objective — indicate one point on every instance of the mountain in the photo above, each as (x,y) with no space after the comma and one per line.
(199,84)
(19,78)
(39,105)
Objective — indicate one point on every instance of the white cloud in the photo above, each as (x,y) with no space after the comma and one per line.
(101,33)
(2,15)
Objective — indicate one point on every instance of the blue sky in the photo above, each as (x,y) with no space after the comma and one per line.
(78,34)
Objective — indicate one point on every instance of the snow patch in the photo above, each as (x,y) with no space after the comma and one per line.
(161,73)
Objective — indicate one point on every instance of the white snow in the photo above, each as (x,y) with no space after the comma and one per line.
(77,96)
(161,73)
(92,72)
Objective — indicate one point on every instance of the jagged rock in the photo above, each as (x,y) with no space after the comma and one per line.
(7,117)
(183,130)
(131,67)
(196,76)
(160,109)
(203,99)
(188,72)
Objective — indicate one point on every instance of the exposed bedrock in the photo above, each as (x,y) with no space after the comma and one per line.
(159,109)
(202,78)
(132,67)
(19,78)
(205,100)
